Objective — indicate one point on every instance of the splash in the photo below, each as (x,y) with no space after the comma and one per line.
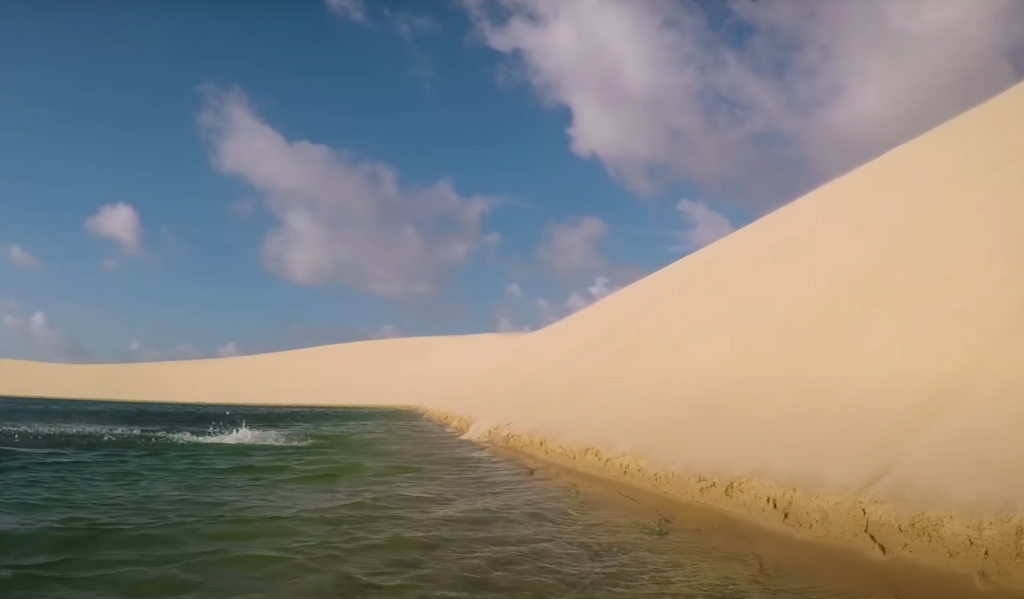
(242,435)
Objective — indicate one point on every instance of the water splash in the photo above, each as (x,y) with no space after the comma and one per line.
(242,435)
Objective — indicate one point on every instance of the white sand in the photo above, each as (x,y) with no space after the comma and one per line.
(850,366)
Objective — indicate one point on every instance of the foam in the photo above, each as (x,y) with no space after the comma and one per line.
(242,435)
(848,367)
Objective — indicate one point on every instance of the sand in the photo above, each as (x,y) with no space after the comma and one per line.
(849,367)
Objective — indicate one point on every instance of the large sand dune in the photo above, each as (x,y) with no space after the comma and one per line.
(850,366)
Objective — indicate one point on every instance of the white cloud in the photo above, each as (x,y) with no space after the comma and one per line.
(341,218)
(655,93)
(572,246)
(601,289)
(228,350)
(40,335)
(119,223)
(703,225)
(354,10)
(22,258)
(550,312)
(514,290)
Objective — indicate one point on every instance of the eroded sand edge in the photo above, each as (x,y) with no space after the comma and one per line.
(988,549)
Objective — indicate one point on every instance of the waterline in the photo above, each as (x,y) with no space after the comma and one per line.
(178,502)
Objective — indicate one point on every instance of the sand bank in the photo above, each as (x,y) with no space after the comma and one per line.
(850,367)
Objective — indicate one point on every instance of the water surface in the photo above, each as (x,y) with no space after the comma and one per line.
(113,500)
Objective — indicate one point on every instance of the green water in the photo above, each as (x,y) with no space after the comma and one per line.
(107,500)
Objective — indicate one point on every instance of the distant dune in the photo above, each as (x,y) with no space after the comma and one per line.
(850,366)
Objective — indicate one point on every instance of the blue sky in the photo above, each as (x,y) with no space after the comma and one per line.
(185,179)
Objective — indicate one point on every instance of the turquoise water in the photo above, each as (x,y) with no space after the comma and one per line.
(108,500)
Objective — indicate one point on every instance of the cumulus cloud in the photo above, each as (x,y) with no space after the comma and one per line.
(40,335)
(514,290)
(118,223)
(703,225)
(341,218)
(22,258)
(773,94)
(572,246)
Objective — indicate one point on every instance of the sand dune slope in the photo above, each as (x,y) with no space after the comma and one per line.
(851,365)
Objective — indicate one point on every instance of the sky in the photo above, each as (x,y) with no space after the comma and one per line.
(185,180)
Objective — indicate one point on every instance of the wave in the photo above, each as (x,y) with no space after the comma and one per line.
(242,435)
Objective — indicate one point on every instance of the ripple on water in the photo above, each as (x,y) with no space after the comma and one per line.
(177,502)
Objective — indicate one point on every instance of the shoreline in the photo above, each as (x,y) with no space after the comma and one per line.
(828,564)
(914,548)
(849,562)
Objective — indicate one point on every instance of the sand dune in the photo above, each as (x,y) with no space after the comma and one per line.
(850,366)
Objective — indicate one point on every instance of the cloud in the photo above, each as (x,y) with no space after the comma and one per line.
(703,225)
(140,352)
(407,25)
(601,289)
(340,218)
(773,94)
(388,331)
(22,258)
(506,325)
(228,350)
(572,246)
(119,223)
(39,334)
(551,312)
(353,10)
(514,290)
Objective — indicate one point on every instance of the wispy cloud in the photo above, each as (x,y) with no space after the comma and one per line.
(22,258)
(572,245)
(353,10)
